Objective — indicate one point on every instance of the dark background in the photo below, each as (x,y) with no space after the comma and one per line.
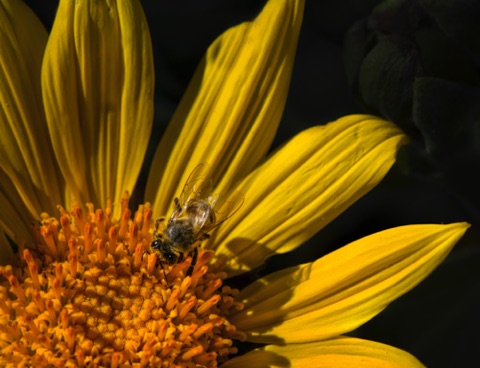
(375,67)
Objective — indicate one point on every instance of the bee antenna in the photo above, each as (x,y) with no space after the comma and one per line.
(165,275)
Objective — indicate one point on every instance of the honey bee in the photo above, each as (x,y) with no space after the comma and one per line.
(196,212)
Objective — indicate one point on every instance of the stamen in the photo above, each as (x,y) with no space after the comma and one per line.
(116,360)
(208,304)
(89,295)
(59,272)
(112,240)
(138,216)
(51,311)
(151,263)
(124,223)
(3,306)
(124,202)
(100,222)
(147,222)
(192,352)
(205,258)
(72,246)
(211,288)
(67,230)
(70,338)
(17,289)
(88,239)
(205,358)
(167,348)
(45,342)
(38,300)
(186,284)
(108,213)
(90,212)
(198,274)
(57,288)
(47,234)
(203,330)
(101,250)
(31,324)
(137,257)
(187,332)
(32,267)
(179,268)
(77,213)
(172,300)
(80,355)
(133,238)
(162,329)
(73,262)
(187,307)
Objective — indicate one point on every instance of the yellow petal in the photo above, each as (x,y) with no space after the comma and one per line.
(97,80)
(15,219)
(26,155)
(305,185)
(231,110)
(339,352)
(346,288)
(5,249)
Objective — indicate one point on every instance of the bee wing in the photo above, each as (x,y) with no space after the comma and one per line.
(198,185)
(224,208)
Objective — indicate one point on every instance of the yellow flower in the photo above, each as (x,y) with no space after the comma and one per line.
(76,114)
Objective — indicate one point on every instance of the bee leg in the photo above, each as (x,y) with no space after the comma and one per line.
(176,201)
(193,263)
(180,257)
(158,262)
(164,273)
(204,237)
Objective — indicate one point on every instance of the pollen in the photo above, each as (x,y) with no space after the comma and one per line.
(88,293)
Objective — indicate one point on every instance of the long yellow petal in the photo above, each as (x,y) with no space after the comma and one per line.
(97,80)
(15,219)
(5,249)
(305,185)
(346,288)
(231,110)
(340,352)
(26,155)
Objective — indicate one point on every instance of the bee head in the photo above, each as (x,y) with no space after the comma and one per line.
(166,253)
(169,257)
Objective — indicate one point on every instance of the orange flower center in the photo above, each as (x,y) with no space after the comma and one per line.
(87,294)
